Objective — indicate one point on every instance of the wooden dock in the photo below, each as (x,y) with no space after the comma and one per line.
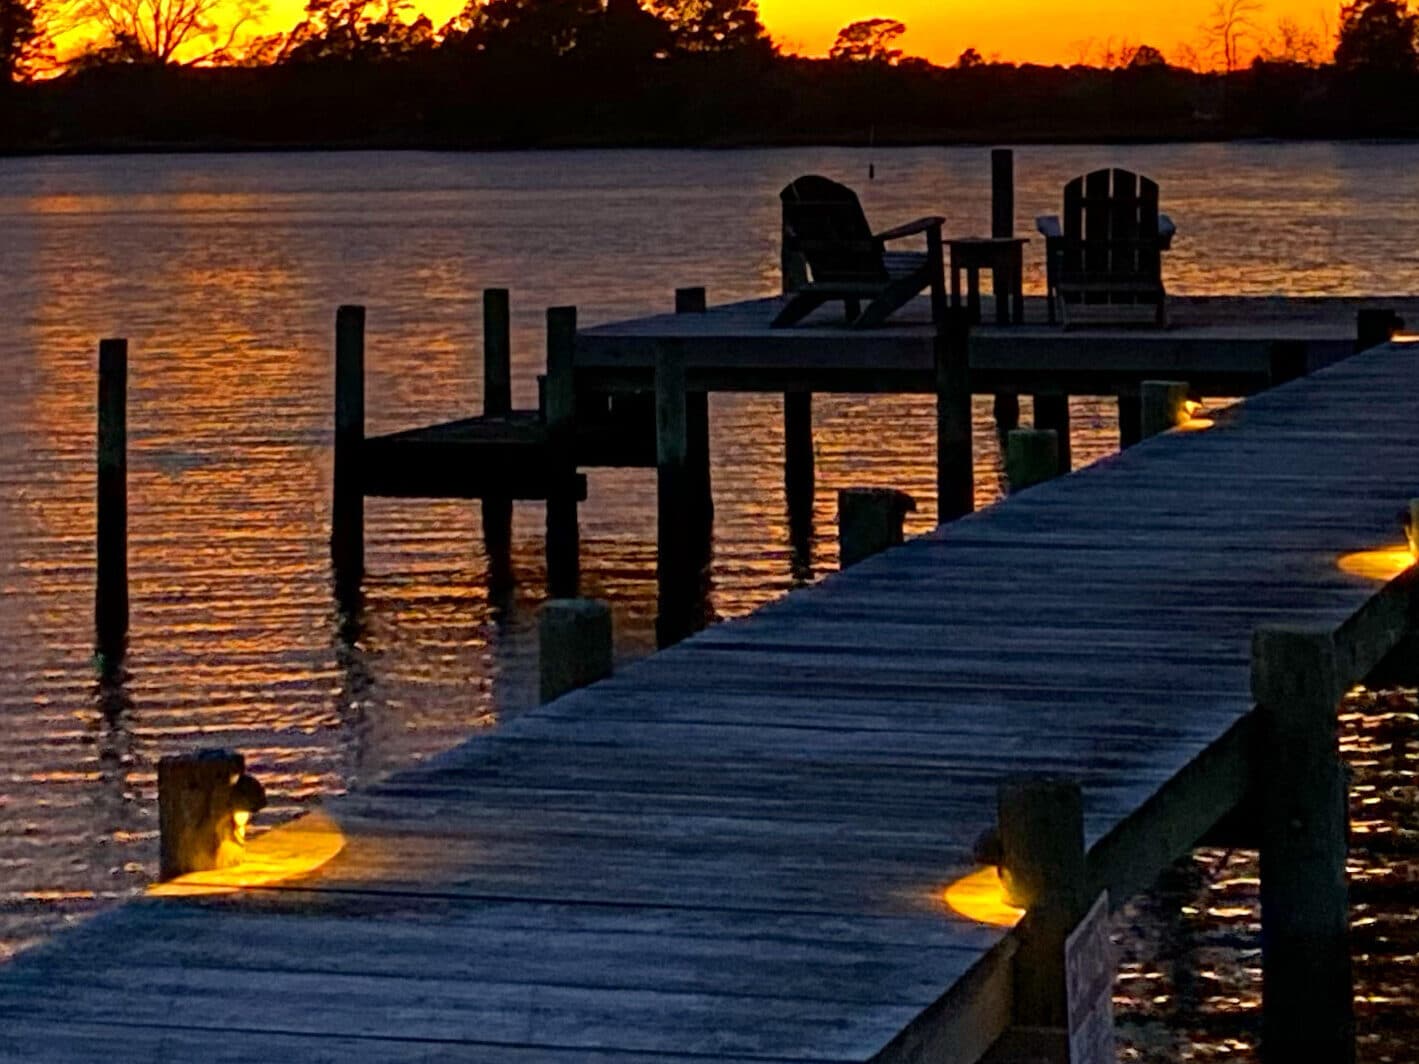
(736,849)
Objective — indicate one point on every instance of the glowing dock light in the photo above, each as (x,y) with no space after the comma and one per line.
(205,801)
(980,896)
(291,850)
(1387,562)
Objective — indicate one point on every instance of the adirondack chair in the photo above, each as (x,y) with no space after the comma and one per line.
(824,224)
(1104,264)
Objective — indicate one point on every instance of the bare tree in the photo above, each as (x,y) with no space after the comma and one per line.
(1290,42)
(1231,23)
(156,31)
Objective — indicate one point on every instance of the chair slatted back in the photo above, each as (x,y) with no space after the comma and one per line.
(824,220)
(1111,226)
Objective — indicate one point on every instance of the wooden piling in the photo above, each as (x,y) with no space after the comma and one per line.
(1162,406)
(798,474)
(1041,825)
(1286,361)
(497,402)
(574,645)
(1130,415)
(1052,414)
(111,592)
(674,576)
(563,536)
(1031,457)
(201,799)
(1374,326)
(955,459)
(1307,989)
(347,531)
(870,521)
(1002,194)
(1007,412)
(700,483)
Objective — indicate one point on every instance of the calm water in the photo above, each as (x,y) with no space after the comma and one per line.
(224,273)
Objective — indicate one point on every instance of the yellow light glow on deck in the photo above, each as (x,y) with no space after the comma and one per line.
(1383,564)
(1196,424)
(980,896)
(291,850)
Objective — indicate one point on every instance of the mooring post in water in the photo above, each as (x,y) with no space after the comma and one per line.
(870,521)
(1006,410)
(1052,414)
(1162,406)
(1031,457)
(674,567)
(1307,989)
(798,475)
(700,484)
(955,468)
(563,535)
(497,402)
(574,645)
(1130,415)
(1286,361)
(1002,194)
(111,593)
(1375,326)
(204,803)
(1043,869)
(347,526)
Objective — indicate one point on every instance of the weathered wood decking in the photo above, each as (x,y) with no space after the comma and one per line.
(735,850)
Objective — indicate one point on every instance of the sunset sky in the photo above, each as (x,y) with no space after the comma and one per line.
(1041,31)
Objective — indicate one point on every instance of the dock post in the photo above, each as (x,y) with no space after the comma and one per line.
(697,455)
(955,457)
(1162,406)
(347,532)
(672,555)
(1007,412)
(1130,415)
(111,547)
(497,402)
(574,645)
(1307,991)
(1031,457)
(870,521)
(1286,361)
(204,803)
(1052,413)
(1041,823)
(563,537)
(1374,327)
(798,475)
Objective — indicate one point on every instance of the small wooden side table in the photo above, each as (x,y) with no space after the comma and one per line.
(1004,257)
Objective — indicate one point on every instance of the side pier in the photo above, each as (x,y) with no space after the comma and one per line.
(738,849)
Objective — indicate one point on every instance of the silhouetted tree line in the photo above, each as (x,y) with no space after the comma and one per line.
(507,73)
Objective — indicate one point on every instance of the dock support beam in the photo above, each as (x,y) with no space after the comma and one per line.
(700,484)
(1307,990)
(955,457)
(1041,821)
(1375,326)
(1130,415)
(1007,413)
(497,402)
(111,591)
(1031,457)
(574,645)
(674,566)
(1052,414)
(1162,406)
(870,521)
(347,527)
(563,536)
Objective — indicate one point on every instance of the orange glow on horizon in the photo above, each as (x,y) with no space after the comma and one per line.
(1017,31)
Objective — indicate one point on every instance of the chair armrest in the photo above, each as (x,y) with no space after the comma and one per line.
(921,225)
(1048,225)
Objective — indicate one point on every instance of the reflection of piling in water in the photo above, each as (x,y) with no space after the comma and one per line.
(111,593)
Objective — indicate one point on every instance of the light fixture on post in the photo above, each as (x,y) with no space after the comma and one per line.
(205,801)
